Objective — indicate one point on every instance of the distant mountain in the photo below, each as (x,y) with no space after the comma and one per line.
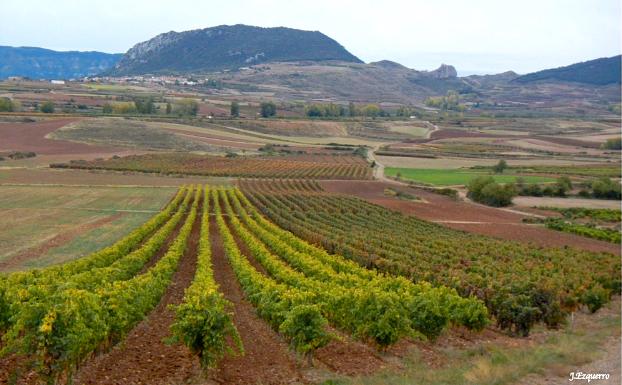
(40,63)
(228,47)
(598,72)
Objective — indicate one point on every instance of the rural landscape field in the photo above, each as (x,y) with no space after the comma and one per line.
(245,205)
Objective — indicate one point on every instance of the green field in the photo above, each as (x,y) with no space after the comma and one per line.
(52,224)
(441,177)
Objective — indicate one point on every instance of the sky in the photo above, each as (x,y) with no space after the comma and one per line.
(476,36)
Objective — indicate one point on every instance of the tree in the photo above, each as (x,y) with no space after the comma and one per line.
(47,107)
(372,110)
(145,106)
(107,109)
(352,109)
(500,167)
(235,109)
(8,105)
(268,109)
(187,107)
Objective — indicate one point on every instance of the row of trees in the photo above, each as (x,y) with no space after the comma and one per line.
(148,106)
(449,102)
(331,110)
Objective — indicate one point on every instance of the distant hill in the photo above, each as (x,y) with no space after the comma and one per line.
(228,47)
(598,72)
(40,63)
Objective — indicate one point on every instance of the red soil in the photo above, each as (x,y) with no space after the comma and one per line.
(346,356)
(31,137)
(143,357)
(466,216)
(267,359)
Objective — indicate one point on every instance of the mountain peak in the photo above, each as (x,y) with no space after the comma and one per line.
(229,47)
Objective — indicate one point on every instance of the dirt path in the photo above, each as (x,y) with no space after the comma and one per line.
(143,357)
(267,359)
(16,261)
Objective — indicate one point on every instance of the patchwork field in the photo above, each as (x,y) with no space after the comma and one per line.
(145,248)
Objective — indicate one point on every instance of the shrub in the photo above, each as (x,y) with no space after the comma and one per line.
(613,144)
(47,107)
(595,297)
(485,190)
(605,188)
(305,326)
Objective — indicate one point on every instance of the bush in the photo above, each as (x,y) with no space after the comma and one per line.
(613,144)
(305,326)
(47,107)
(605,188)
(485,190)
(22,155)
(595,298)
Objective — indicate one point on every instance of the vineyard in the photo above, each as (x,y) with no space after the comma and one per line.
(56,319)
(520,284)
(296,166)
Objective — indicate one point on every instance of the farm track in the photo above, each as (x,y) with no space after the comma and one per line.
(265,352)
(143,357)
(344,356)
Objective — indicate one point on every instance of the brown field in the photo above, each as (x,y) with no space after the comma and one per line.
(32,137)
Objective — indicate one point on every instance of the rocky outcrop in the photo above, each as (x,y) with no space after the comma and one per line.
(444,72)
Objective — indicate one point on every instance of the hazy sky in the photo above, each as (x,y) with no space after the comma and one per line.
(476,36)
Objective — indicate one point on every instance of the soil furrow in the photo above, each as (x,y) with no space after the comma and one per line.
(343,355)
(267,359)
(143,357)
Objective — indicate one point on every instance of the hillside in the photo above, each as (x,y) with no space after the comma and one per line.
(228,47)
(40,63)
(599,72)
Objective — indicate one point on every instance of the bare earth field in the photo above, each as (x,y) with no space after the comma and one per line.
(469,217)
(32,137)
